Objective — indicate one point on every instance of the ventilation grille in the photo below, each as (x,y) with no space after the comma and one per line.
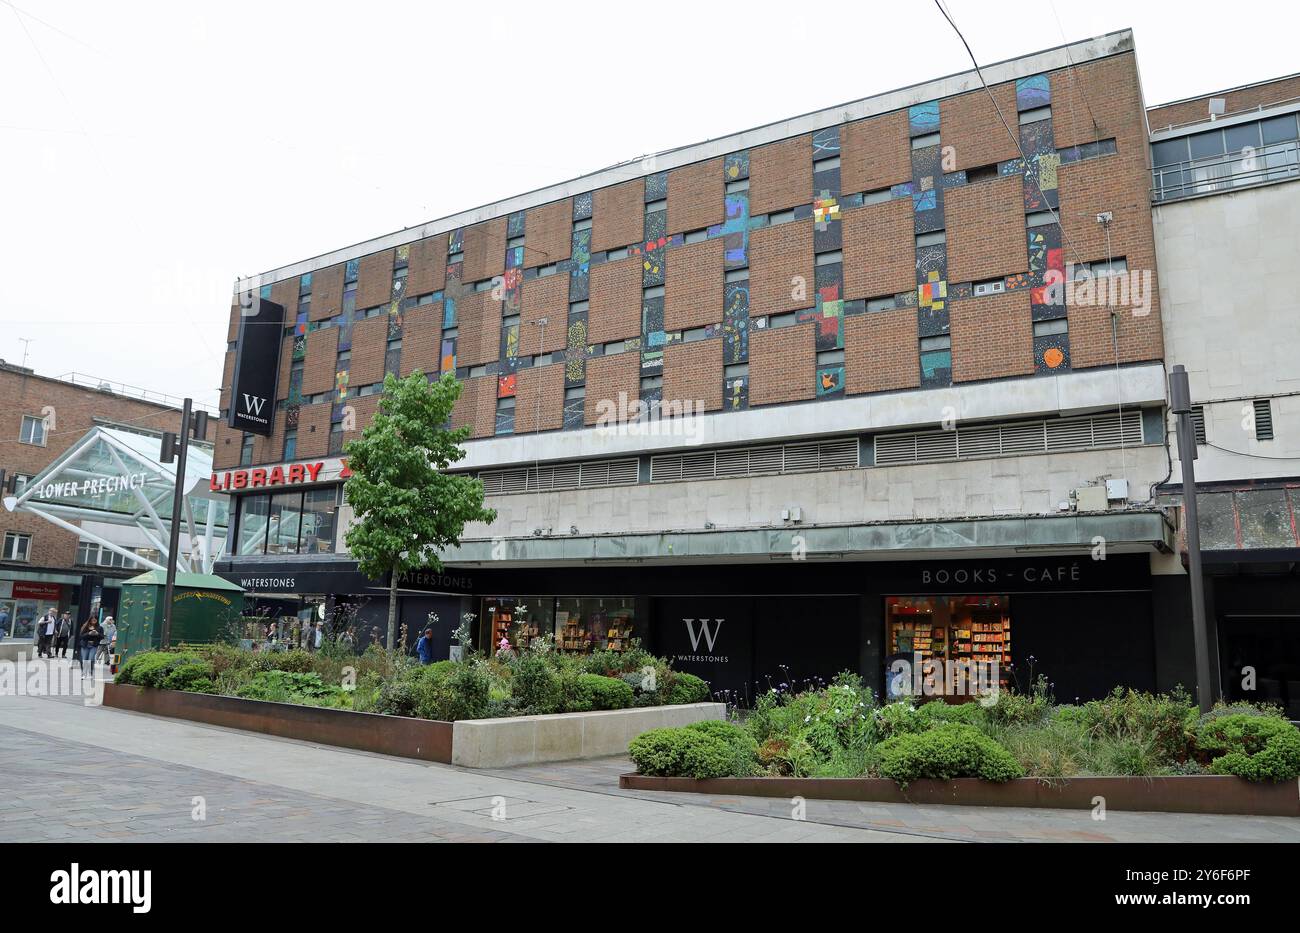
(1198,423)
(1263,420)
(838,454)
(560,476)
(1007,440)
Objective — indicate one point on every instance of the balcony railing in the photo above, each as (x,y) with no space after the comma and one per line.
(1277,162)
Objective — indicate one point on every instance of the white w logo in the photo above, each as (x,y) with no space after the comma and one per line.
(253,404)
(709,636)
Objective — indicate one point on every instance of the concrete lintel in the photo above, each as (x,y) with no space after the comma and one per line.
(1121,531)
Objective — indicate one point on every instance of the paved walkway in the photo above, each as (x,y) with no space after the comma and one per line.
(70,771)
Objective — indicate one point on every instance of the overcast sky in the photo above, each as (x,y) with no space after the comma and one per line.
(152,152)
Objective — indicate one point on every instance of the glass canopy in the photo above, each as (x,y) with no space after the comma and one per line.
(113,476)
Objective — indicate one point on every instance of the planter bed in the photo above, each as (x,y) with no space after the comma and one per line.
(476,743)
(1172,794)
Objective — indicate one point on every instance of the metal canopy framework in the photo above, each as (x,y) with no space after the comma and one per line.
(113,476)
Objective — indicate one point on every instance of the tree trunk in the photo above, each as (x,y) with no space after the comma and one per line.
(392,612)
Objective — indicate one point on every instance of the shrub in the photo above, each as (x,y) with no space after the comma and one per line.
(463,693)
(534,685)
(397,697)
(1130,715)
(898,718)
(195,677)
(947,751)
(682,752)
(1254,747)
(293,687)
(1012,707)
(684,688)
(1048,750)
(937,711)
(296,661)
(586,692)
(743,746)
(153,668)
(1222,709)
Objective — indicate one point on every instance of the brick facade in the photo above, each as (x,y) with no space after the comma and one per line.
(695,196)
(319,363)
(326,292)
(992,337)
(618,215)
(781,365)
(875,153)
(539,399)
(1196,109)
(478,328)
(780,175)
(427,266)
(422,339)
(369,344)
(879,252)
(781,269)
(986,230)
(881,352)
(485,250)
(375,279)
(971,131)
(693,285)
(543,298)
(313,431)
(548,233)
(693,375)
(477,406)
(607,378)
(614,309)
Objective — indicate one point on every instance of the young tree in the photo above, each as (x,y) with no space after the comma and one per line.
(407,507)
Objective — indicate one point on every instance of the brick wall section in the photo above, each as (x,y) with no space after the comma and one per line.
(875,153)
(693,285)
(618,215)
(607,377)
(548,233)
(776,256)
(1120,184)
(614,309)
(363,412)
(971,131)
(375,279)
(539,399)
(477,406)
(693,375)
(285,294)
(232,329)
(782,365)
(286,368)
(478,326)
(369,343)
(986,229)
(313,430)
(318,364)
(879,249)
(74,410)
(696,196)
(427,266)
(326,293)
(422,339)
(992,337)
(270,449)
(780,175)
(881,352)
(225,451)
(485,250)
(1246,98)
(227,379)
(544,298)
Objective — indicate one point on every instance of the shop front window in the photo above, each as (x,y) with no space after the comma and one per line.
(253,512)
(578,624)
(950,645)
(284,523)
(319,511)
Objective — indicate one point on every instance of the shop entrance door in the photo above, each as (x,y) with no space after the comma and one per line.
(1262,651)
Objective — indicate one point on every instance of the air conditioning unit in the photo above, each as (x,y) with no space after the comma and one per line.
(989,288)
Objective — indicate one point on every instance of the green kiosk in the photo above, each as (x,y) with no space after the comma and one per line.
(205,605)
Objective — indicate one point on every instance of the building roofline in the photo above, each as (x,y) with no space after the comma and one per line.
(1052,59)
(1226,90)
(25,372)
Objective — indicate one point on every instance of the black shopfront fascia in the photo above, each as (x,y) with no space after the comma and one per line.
(1087,624)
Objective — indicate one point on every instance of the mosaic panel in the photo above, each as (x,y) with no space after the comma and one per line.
(1032,92)
(735,396)
(735,322)
(1041,164)
(582,205)
(736,166)
(1052,353)
(923,119)
(656,187)
(826,143)
(734,231)
(936,369)
(830,381)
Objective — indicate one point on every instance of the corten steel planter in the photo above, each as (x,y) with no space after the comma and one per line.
(1173,794)
(426,739)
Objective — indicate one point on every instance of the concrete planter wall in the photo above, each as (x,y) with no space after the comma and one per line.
(499,743)
(476,743)
(15,650)
(1174,794)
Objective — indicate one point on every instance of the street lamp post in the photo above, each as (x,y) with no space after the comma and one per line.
(175,447)
(1180,404)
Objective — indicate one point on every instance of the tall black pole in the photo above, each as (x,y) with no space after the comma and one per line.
(174,539)
(1180,403)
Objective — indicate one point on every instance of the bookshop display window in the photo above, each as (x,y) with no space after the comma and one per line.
(578,624)
(950,629)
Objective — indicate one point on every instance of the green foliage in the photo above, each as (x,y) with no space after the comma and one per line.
(947,751)
(195,677)
(407,506)
(1254,747)
(156,669)
(743,746)
(684,688)
(1014,707)
(1131,716)
(294,687)
(1054,749)
(585,692)
(683,752)
(899,718)
(535,685)
(461,692)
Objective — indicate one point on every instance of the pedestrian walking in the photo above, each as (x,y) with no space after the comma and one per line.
(45,634)
(4,622)
(90,638)
(424,647)
(320,635)
(108,647)
(62,633)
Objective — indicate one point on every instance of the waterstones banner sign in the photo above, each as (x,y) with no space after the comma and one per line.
(257,366)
